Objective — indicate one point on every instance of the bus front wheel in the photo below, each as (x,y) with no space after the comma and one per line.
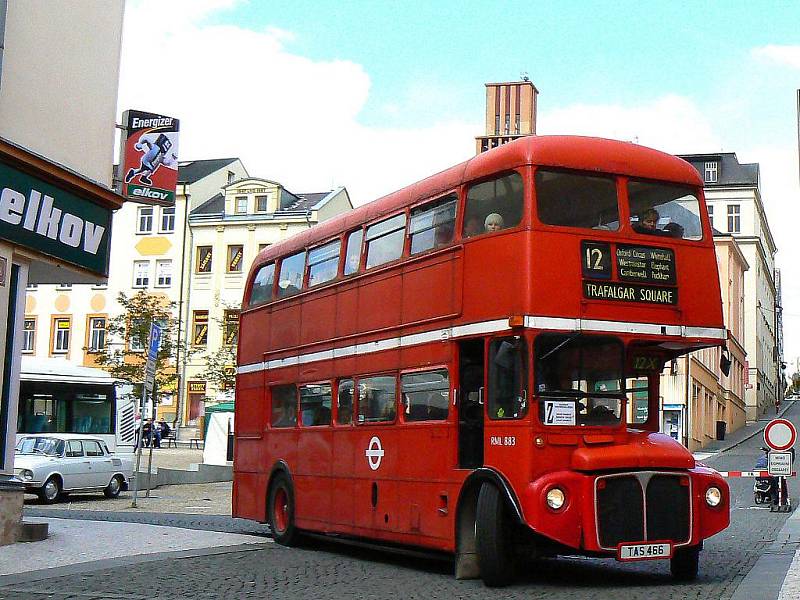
(280,511)
(684,564)
(493,538)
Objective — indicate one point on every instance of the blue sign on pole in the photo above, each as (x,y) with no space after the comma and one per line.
(152,353)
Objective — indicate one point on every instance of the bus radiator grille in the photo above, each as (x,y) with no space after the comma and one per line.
(642,506)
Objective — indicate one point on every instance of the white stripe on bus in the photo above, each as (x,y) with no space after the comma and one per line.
(497,325)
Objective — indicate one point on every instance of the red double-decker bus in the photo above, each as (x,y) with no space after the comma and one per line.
(471,364)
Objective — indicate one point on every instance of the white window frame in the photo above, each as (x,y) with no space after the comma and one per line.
(28,336)
(710,208)
(711,172)
(144,221)
(168,216)
(141,277)
(97,334)
(266,203)
(237,207)
(734,218)
(163,273)
(61,337)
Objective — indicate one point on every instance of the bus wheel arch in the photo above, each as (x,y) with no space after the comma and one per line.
(281,506)
(466,559)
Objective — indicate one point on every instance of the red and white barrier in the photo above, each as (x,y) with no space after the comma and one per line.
(750,474)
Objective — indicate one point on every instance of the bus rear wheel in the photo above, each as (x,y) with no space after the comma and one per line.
(685,563)
(280,512)
(493,538)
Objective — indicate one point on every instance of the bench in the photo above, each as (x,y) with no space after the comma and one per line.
(196,443)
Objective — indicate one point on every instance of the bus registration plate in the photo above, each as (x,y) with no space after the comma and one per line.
(650,551)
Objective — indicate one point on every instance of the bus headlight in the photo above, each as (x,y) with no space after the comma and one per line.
(713,496)
(556,498)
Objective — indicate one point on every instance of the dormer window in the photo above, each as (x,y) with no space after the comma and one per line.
(711,172)
(240,205)
(261,203)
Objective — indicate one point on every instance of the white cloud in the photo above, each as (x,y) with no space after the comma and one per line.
(784,55)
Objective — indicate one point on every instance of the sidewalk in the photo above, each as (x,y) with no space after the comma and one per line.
(741,435)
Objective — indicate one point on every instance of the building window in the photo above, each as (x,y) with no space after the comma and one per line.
(235,254)
(97,334)
(163,273)
(710,172)
(144,223)
(262,246)
(168,219)
(137,337)
(61,334)
(200,327)
(734,222)
(711,215)
(64,286)
(141,273)
(261,203)
(230,327)
(29,335)
(240,205)
(231,176)
(204,259)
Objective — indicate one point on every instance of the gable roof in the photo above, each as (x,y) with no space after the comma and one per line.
(190,171)
(730,172)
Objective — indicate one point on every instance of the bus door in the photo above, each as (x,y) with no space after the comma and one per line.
(471,387)
(507,442)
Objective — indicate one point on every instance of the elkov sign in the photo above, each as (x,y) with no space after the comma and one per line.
(150,157)
(46,219)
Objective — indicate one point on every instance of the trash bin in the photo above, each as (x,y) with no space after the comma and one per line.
(721,425)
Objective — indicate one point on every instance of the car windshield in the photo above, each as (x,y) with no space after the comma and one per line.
(579,380)
(40,445)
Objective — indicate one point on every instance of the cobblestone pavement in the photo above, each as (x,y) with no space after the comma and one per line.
(328,570)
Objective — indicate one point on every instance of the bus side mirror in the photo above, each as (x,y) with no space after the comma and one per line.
(725,364)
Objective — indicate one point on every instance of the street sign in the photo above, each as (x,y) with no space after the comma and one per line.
(152,352)
(780,434)
(780,464)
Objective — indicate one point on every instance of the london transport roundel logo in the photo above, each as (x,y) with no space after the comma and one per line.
(374,453)
(780,434)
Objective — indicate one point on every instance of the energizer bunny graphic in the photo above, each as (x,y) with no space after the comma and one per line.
(150,164)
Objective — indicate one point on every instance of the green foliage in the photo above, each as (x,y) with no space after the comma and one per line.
(125,353)
(220,369)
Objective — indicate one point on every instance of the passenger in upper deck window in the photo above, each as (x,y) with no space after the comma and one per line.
(494,222)
(674,229)
(647,222)
(444,235)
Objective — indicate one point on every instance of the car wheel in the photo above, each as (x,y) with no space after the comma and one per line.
(113,488)
(51,490)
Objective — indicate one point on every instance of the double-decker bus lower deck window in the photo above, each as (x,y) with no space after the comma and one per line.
(262,285)
(661,209)
(315,404)
(432,225)
(376,399)
(284,406)
(344,402)
(493,205)
(579,379)
(576,200)
(425,395)
(508,395)
(290,280)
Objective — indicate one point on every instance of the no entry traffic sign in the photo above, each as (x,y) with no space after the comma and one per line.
(780,434)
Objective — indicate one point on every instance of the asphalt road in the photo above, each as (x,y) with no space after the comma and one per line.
(329,570)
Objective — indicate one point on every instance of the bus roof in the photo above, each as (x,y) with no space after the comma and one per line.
(61,371)
(561,151)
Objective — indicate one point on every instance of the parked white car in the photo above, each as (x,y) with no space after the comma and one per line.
(54,464)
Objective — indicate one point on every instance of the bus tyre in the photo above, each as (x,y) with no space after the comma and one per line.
(684,563)
(493,538)
(280,512)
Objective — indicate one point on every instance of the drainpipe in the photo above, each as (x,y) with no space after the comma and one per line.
(181,378)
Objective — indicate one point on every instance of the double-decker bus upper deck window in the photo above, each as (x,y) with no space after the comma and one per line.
(352,257)
(432,225)
(425,395)
(284,406)
(576,200)
(315,404)
(262,285)
(666,210)
(376,399)
(385,240)
(508,376)
(344,402)
(493,205)
(579,379)
(323,263)
(290,280)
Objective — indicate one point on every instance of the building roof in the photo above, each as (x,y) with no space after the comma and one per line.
(289,203)
(190,171)
(730,170)
(213,206)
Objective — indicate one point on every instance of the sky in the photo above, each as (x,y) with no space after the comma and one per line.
(376,95)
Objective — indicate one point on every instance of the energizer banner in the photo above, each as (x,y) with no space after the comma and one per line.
(150,157)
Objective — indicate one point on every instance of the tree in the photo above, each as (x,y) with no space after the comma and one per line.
(125,354)
(220,369)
